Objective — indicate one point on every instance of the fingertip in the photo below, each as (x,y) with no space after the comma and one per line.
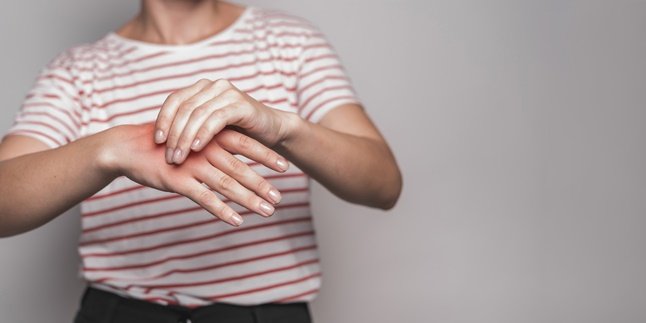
(159,136)
(235,220)
(177,156)
(274,196)
(267,209)
(282,164)
(195,146)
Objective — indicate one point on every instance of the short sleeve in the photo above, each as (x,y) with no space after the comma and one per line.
(322,81)
(51,111)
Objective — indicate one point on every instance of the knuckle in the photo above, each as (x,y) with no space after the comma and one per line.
(204,197)
(203,82)
(186,106)
(244,142)
(225,182)
(263,186)
(173,98)
(199,111)
(222,211)
(236,166)
(268,155)
(222,83)
(231,92)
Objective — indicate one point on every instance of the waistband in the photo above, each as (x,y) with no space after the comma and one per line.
(99,306)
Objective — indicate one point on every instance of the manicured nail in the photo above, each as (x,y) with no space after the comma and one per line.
(236,219)
(274,196)
(177,156)
(266,208)
(196,143)
(282,164)
(159,136)
(169,155)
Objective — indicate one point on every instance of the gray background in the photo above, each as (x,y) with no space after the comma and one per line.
(519,127)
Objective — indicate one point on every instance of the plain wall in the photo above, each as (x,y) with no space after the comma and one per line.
(520,129)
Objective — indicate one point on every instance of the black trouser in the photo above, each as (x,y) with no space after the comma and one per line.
(99,306)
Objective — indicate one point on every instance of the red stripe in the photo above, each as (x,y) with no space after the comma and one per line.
(320,57)
(43,124)
(93,56)
(143,218)
(136,203)
(200,254)
(323,90)
(177,228)
(186,62)
(22,131)
(151,216)
(320,69)
(264,288)
(122,114)
(164,198)
(122,64)
(129,113)
(51,106)
(50,116)
(56,77)
(297,296)
(193,74)
(255,50)
(198,239)
(138,280)
(326,78)
(138,187)
(309,115)
(231,278)
(44,95)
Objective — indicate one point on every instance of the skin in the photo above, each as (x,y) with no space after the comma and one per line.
(30,172)
(344,144)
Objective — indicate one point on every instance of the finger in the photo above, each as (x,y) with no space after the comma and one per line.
(169,108)
(238,143)
(188,140)
(204,197)
(242,173)
(184,113)
(229,187)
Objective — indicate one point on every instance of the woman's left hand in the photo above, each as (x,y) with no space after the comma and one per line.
(191,117)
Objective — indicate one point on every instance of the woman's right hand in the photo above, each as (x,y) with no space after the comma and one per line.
(131,153)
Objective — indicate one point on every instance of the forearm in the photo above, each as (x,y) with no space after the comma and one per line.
(357,169)
(38,187)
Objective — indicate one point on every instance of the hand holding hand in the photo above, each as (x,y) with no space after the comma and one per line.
(191,117)
(134,155)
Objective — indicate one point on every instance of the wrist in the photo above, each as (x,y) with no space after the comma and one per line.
(106,155)
(290,125)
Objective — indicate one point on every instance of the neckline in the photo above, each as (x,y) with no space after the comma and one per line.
(170,47)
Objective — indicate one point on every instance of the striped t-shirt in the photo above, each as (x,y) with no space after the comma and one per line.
(159,246)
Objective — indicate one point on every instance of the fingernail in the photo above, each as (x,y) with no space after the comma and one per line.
(266,208)
(169,155)
(282,164)
(196,143)
(177,156)
(236,219)
(275,196)
(159,136)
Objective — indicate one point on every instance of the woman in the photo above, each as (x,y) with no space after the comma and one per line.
(144,123)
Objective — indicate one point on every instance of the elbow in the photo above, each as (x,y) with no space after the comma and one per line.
(391,192)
